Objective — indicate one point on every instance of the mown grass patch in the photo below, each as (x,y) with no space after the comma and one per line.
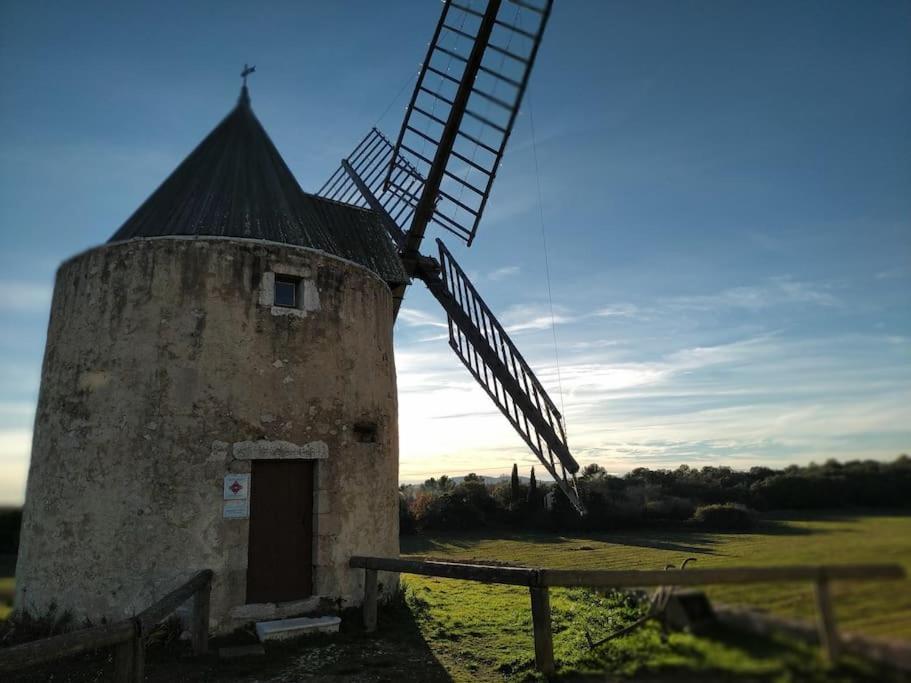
(483,632)
(878,609)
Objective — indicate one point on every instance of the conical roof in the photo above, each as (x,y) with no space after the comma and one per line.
(236,184)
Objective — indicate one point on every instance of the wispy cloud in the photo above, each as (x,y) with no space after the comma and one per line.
(593,344)
(434,338)
(21,296)
(618,311)
(893,274)
(504,272)
(767,398)
(776,291)
(525,317)
(415,318)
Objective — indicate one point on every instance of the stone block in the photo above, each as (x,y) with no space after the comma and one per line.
(283,629)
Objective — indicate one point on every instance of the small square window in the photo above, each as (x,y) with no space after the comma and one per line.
(286,291)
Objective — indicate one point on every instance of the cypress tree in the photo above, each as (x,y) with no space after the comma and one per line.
(514,485)
(532,489)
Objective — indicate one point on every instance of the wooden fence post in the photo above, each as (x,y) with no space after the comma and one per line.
(540,620)
(129,657)
(139,659)
(199,629)
(129,660)
(370,600)
(123,662)
(828,629)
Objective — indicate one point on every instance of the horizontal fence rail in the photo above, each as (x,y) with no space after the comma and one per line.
(539,581)
(514,576)
(703,577)
(126,636)
(633,578)
(65,645)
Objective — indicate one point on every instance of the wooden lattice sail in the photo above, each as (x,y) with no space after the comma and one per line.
(440,170)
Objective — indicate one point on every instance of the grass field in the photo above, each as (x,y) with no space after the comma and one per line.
(465,631)
(482,632)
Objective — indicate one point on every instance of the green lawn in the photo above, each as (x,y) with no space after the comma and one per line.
(468,631)
(483,632)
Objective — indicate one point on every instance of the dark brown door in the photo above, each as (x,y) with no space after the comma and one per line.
(280,554)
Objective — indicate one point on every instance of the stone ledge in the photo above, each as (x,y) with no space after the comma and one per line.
(280,450)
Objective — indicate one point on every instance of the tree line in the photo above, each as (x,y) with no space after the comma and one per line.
(710,497)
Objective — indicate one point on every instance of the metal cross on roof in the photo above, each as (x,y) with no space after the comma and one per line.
(246,72)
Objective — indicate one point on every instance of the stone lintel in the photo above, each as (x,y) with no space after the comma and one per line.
(280,450)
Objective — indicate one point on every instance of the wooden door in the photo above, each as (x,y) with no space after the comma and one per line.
(280,549)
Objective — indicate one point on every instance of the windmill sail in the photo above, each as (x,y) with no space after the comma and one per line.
(485,348)
(464,106)
(441,170)
(370,162)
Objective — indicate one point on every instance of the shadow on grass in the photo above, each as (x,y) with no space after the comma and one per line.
(673,541)
(671,537)
(782,527)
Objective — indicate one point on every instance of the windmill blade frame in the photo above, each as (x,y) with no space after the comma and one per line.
(405,187)
(487,351)
(361,180)
(445,130)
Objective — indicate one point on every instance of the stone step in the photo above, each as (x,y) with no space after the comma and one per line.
(299,626)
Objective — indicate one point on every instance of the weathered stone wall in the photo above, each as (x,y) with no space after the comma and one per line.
(167,367)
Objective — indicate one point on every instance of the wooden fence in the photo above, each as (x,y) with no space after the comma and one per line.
(127,637)
(539,582)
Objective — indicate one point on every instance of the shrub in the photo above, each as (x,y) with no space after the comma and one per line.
(725,517)
(406,516)
(24,628)
(467,506)
(670,508)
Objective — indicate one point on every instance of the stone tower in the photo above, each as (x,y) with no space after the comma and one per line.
(218,391)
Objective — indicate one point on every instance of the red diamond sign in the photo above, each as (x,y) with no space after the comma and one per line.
(237,486)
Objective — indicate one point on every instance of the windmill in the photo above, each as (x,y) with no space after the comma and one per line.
(440,171)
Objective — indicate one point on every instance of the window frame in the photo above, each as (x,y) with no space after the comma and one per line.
(286,280)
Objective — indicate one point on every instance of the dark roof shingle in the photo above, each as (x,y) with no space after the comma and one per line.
(235,184)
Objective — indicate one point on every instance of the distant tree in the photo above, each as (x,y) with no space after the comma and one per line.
(532,489)
(514,485)
(593,471)
(406,516)
(720,496)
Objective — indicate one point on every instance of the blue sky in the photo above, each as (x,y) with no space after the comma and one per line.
(726,197)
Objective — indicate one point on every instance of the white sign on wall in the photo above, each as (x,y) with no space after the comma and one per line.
(236,509)
(236,503)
